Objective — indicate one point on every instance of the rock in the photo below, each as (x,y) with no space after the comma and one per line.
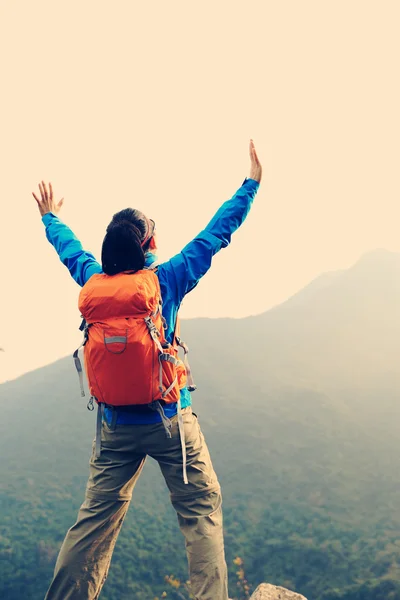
(266,591)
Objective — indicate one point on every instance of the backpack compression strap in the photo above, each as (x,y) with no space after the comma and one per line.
(78,365)
(191,386)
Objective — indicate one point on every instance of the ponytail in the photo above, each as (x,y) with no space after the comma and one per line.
(122,248)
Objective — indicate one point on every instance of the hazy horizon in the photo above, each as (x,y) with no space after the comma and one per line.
(10,366)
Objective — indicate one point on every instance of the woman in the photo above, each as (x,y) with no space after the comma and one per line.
(138,431)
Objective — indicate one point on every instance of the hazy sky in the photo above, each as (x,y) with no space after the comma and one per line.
(151,105)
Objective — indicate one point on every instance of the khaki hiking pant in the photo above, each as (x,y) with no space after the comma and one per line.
(85,555)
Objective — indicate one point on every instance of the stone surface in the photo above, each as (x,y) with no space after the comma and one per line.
(266,591)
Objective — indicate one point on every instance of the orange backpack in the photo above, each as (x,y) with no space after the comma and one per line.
(128,360)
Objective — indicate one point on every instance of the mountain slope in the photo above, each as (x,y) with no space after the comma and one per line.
(343,327)
(300,408)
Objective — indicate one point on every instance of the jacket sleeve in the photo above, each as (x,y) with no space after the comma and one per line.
(81,264)
(186,268)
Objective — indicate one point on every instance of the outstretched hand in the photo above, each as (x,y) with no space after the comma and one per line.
(255,166)
(47,204)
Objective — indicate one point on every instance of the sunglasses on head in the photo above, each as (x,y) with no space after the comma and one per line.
(151,227)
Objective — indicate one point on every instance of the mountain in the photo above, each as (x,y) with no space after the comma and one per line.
(344,325)
(300,408)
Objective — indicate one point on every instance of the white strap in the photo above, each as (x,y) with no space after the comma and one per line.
(152,267)
(191,386)
(171,387)
(156,405)
(183,441)
(78,366)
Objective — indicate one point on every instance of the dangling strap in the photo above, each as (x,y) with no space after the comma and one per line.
(165,357)
(100,414)
(183,441)
(156,405)
(190,381)
(78,365)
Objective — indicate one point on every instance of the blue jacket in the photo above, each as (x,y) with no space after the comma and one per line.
(177,277)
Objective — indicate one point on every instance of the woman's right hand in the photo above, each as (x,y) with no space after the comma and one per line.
(47,204)
(255,167)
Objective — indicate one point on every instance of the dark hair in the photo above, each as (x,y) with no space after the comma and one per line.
(123,248)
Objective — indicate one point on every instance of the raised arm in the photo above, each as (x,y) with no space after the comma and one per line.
(186,268)
(81,264)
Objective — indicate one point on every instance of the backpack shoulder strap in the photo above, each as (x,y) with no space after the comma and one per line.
(152,267)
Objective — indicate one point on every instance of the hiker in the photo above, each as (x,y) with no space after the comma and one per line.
(155,417)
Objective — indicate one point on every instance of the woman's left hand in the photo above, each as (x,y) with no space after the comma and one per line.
(47,204)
